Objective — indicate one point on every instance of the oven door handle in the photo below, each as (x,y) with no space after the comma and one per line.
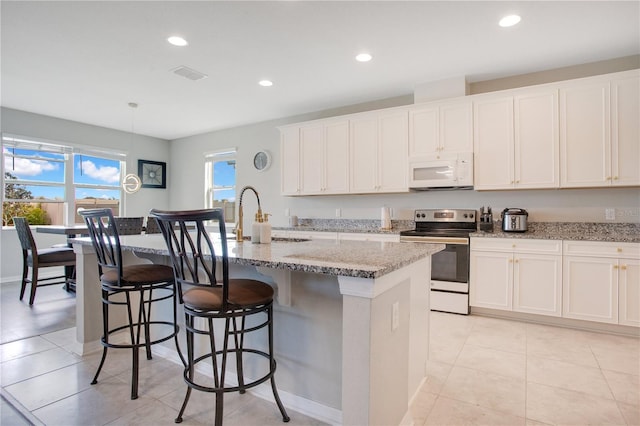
(435,240)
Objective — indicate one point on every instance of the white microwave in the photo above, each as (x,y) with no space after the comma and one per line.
(442,171)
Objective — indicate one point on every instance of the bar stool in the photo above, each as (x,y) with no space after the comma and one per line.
(150,283)
(230,301)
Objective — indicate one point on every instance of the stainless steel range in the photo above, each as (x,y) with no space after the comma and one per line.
(449,281)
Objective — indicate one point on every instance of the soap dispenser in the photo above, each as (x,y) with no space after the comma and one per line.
(256,228)
(265,230)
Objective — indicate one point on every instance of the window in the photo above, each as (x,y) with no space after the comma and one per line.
(220,185)
(41,180)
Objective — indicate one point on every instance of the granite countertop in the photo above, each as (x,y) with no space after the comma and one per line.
(571,231)
(362,259)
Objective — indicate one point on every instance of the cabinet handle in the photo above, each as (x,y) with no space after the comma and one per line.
(517,260)
(615,178)
(510,260)
(619,249)
(615,266)
(623,267)
(513,246)
(608,177)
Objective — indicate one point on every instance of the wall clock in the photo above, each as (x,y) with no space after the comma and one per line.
(262,160)
(152,173)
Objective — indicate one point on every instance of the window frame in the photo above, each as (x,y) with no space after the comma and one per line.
(210,158)
(69,151)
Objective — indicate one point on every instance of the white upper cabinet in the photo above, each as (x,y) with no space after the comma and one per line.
(599,131)
(324,158)
(378,154)
(625,130)
(290,156)
(437,128)
(516,141)
(315,158)
(493,143)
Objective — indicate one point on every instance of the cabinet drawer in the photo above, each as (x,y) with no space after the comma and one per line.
(602,249)
(517,245)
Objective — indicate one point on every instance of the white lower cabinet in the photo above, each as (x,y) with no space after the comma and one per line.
(516,275)
(601,282)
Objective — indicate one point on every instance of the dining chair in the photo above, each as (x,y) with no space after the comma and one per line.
(43,258)
(152,226)
(127,286)
(129,225)
(210,295)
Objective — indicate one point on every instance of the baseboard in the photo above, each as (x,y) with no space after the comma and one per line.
(623,330)
(297,403)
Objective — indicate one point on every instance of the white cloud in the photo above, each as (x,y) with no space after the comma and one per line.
(27,167)
(104,173)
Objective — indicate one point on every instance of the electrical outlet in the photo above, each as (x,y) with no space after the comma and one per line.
(287,212)
(610,214)
(395,316)
(338,212)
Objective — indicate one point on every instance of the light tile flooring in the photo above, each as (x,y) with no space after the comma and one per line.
(482,371)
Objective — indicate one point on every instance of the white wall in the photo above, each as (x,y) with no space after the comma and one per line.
(70,132)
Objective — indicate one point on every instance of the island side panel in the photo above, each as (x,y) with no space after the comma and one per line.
(384,365)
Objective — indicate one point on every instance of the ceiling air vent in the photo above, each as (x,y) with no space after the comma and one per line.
(187,72)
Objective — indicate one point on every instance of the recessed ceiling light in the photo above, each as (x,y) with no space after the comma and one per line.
(509,21)
(265,83)
(364,57)
(177,41)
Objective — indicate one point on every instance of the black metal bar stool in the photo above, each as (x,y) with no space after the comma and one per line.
(193,252)
(151,283)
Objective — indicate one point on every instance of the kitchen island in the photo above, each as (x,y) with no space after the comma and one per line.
(351,320)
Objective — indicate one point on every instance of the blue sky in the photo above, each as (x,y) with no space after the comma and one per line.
(87,170)
(224,174)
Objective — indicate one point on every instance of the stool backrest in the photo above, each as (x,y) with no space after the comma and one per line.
(24,234)
(129,225)
(192,248)
(105,239)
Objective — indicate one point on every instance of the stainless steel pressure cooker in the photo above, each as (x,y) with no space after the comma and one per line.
(514,220)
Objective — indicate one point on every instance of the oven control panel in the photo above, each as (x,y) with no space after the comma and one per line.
(445,215)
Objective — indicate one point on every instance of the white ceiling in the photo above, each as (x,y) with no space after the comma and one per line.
(85,61)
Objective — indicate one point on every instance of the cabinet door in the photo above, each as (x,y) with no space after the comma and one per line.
(590,289)
(393,173)
(490,280)
(625,132)
(311,159)
(290,157)
(537,149)
(456,127)
(336,158)
(537,284)
(423,132)
(585,138)
(629,286)
(363,155)
(493,143)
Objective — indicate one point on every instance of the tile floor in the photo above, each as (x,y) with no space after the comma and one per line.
(482,371)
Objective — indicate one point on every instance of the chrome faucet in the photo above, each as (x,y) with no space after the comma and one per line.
(239,236)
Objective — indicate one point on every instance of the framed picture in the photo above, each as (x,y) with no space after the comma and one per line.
(153,174)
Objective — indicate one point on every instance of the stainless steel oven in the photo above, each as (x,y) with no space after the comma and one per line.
(449,281)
